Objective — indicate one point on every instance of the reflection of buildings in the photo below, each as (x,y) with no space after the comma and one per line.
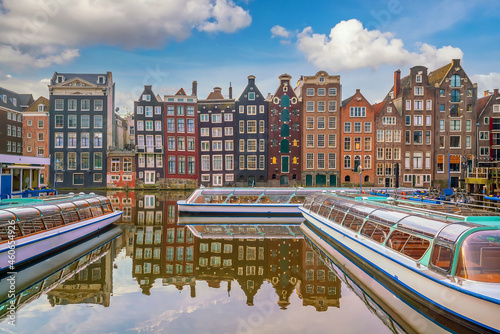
(123,201)
(251,266)
(179,251)
(91,285)
(148,240)
(319,287)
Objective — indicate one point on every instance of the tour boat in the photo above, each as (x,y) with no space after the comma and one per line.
(256,231)
(245,205)
(445,266)
(37,228)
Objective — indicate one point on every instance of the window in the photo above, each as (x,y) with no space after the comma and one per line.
(419,105)
(332,122)
(157,125)
(442,142)
(181,165)
(484,135)
(388,136)
(71,139)
(467,142)
(310,92)
(98,121)
(441,125)
(204,132)
(321,106)
(216,118)
(98,105)
(203,118)
(309,160)
(419,90)
(309,140)
(428,105)
(454,141)
(332,91)
(217,162)
(358,112)
(309,122)
(140,125)
(408,120)
(380,136)
(321,140)
(417,137)
(40,151)
(321,122)
(455,125)
(181,144)
(59,142)
(357,127)
(368,127)
(321,91)
(455,95)
(427,137)
(229,162)
(418,78)
(98,139)
(397,136)
(417,160)
(228,117)
(408,105)
(418,120)
(455,81)
(251,126)
(98,160)
(332,105)
(72,105)
(408,137)
(72,121)
(441,108)
(40,136)
(59,121)
(484,151)
(428,120)
(310,106)
(251,110)
(180,125)
(332,140)
(347,162)
(59,104)
(368,144)
(321,160)
(347,127)
(347,144)
(217,145)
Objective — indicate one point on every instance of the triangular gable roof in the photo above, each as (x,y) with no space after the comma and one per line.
(346,101)
(482,103)
(215,96)
(377,107)
(41,100)
(181,92)
(75,79)
(437,76)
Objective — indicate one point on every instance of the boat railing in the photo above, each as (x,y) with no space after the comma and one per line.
(22,221)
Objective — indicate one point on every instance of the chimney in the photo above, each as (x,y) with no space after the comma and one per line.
(194,90)
(251,79)
(495,91)
(456,62)
(486,92)
(358,91)
(230,91)
(397,82)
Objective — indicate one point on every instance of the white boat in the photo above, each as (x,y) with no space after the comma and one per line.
(245,205)
(444,267)
(247,231)
(40,227)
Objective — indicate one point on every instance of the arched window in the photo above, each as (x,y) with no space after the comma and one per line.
(294,160)
(367,178)
(347,161)
(357,162)
(294,177)
(283,179)
(284,146)
(368,162)
(285,130)
(285,115)
(455,80)
(295,127)
(455,95)
(285,101)
(274,160)
(273,177)
(455,111)
(295,143)
(347,178)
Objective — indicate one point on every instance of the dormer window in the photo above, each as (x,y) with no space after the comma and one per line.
(321,79)
(418,79)
(251,96)
(60,79)
(146,97)
(4,98)
(41,107)
(100,80)
(14,102)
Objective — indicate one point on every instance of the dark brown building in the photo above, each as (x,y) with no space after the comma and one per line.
(11,120)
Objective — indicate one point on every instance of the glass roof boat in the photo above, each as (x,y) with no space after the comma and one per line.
(256,231)
(246,205)
(442,264)
(31,229)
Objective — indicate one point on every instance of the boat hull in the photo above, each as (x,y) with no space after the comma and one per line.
(33,246)
(194,213)
(436,297)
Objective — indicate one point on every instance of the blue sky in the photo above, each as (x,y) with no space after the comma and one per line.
(170,43)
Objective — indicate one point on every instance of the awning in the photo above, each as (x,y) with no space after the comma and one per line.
(23,167)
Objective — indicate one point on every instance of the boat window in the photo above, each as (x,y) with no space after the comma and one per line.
(344,205)
(377,232)
(442,257)
(53,220)
(70,217)
(66,206)
(25,213)
(362,210)
(297,199)
(336,216)
(408,244)
(248,192)
(31,226)
(216,192)
(6,216)
(96,210)
(279,192)
(48,210)
(107,208)
(214,199)
(422,225)
(85,213)
(353,222)
(316,205)
(479,258)
(325,209)
(243,199)
(452,232)
(307,202)
(387,217)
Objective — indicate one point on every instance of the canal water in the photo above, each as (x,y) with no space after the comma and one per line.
(150,275)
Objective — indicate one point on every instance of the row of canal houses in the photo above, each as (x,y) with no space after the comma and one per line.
(429,129)
(305,134)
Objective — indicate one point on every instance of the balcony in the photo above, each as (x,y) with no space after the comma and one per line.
(149,149)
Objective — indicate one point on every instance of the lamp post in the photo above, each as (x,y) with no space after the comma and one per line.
(360,184)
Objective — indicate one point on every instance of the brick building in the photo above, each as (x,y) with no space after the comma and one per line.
(488,129)
(357,121)
(321,96)
(216,117)
(121,166)
(181,140)
(36,133)
(284,165)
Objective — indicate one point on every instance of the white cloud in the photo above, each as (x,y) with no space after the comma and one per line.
(486,82)
(25,86)
(31,27)
(16,59)
(350,46)
(279,31)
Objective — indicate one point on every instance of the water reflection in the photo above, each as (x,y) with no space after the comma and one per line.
(79,274)
(247,255)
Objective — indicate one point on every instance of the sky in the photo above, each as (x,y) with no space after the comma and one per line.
(218,43)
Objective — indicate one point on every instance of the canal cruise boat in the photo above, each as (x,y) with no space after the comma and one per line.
(444,265)
(245,205)
(31,228)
